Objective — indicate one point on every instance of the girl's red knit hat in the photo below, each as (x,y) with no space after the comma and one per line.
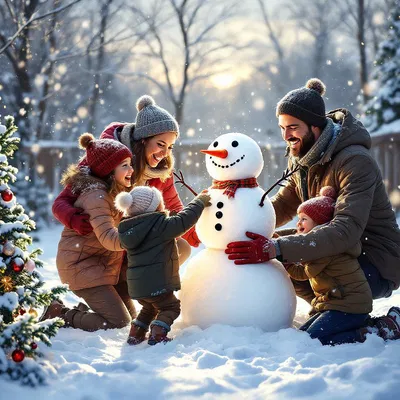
(103,155)
(320,209)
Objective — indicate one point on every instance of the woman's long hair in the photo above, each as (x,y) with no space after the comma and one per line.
(139,162)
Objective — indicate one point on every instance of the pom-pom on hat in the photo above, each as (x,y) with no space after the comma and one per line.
(152,120)
(103,155)
(305,103)
(140,200)
(320,209)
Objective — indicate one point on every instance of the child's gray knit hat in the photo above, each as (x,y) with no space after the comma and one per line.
(140,200)
(152,120)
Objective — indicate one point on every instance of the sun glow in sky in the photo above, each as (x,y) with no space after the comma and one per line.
(224,80)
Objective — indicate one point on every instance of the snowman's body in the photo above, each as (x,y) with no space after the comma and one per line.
(217,291)
(214,288)
(228,219)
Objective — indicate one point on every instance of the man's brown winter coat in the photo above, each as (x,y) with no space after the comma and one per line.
(362,213)
(94,259)
(338,282)
(153,263)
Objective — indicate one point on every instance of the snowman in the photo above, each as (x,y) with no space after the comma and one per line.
(214,289)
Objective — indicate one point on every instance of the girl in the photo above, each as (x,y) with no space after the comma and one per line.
(91,264)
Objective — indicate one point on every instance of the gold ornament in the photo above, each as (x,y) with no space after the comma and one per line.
(33,312)
(8,248)
(6,283)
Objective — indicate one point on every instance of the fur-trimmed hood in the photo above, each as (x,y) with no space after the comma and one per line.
(80,180)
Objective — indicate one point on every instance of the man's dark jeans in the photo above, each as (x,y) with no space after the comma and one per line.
(335,327)
(380,287)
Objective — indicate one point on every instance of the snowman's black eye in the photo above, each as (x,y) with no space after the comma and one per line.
(215,144)
(235,143)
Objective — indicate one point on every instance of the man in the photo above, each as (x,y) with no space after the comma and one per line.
(330,150)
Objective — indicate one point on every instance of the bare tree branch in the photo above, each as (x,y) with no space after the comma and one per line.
(196,40)
(12,13)
(271,34)
(145,76)
(32,20)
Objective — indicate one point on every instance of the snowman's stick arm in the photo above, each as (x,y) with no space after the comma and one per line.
(181,180)
(286,174)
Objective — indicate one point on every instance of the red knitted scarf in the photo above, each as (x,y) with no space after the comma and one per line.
(231,186)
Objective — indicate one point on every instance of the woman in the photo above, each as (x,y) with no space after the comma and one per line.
(151,139)
(91,264)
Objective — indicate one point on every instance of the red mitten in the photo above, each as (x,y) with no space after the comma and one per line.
(258,250)
(191,237)
(80,223)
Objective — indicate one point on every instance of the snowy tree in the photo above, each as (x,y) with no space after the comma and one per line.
(21,286)
(384,108)
(320,27)
(36,198)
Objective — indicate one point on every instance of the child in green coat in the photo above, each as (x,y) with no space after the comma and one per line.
(149,236)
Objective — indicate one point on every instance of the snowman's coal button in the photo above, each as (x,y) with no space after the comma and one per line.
(220,204)
(219,214)
(218,227)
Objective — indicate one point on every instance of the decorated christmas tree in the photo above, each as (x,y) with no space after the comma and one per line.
(35,198)
(384,108)
(21,285)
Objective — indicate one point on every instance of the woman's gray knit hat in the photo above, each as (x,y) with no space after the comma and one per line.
(140,200)
(152,120)
(305,103)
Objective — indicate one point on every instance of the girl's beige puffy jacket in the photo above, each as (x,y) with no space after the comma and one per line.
(94,259)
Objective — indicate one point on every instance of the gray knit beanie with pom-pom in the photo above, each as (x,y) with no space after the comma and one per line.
(152,120)
(140,200)
(305,103)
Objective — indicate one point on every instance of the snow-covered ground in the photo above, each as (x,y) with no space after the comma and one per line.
(220,362)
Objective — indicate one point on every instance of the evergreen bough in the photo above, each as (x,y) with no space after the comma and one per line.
(21,285)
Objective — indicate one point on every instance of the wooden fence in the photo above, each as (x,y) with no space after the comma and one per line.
(385,149)
(54,157)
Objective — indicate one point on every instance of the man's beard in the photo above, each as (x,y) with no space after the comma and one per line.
(306,142)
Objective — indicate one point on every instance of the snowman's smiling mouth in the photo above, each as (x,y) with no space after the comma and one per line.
(229,165)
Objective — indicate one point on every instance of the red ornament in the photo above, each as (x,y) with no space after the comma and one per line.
(18,355)
(22,311)
(17,267)
(7,195)
(33,346)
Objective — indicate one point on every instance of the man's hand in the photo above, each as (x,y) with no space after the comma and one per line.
(80,223)
(258,250)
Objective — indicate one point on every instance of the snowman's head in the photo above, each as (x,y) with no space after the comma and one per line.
(233,156)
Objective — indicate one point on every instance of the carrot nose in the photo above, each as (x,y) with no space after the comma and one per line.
(216,153)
